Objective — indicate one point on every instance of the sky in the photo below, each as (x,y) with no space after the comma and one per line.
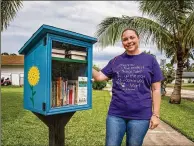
(78,16)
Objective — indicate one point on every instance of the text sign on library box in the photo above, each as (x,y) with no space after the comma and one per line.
(82,90)
(57,71)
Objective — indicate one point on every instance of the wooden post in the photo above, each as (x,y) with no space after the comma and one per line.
(56,124)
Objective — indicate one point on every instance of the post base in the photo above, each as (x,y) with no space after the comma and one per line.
(56,124)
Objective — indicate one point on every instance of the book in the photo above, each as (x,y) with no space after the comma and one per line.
(58,55)
(61,92)
(65,92)
(58,51)
(59,80)
(76,93)
(78,57)
(74,52)
(58,91)
(67,95)
(70,96)
(69,92)
(73,84)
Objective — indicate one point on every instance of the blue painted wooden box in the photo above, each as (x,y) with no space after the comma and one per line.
(51,71)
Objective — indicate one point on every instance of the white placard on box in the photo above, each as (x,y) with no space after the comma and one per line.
(82,90)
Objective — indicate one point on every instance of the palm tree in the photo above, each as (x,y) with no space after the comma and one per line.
(148,52)
(187,59)
(170,27)
(9,9)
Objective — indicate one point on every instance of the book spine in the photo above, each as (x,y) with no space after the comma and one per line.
(59,92)
(61,99)
(70,96)
(73,98)
(76,92)
(64,93)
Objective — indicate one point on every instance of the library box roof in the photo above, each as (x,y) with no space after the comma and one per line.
(44,29)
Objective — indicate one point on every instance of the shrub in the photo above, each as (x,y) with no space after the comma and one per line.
(98,85)
(189,80)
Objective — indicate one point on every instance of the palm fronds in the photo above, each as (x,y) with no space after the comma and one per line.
(8,11)
(110,30)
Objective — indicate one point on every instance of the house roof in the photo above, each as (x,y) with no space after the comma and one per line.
(12,60)
(188,75)
(45,29)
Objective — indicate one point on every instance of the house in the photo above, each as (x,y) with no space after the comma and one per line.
(12,67)
(186,77)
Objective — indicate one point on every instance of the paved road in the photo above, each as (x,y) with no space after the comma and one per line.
(184,93)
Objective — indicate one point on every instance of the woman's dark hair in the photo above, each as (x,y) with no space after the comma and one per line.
(132,30)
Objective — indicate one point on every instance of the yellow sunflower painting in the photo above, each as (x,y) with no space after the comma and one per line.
(33,79)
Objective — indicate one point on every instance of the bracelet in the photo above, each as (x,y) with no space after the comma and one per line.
(157,116)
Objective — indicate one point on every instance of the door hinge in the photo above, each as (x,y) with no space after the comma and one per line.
(43,106)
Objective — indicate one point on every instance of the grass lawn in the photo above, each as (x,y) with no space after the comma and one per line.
(181,116)
(87,128)
(184,86)
(21,127)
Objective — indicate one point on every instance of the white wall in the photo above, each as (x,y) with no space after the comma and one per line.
(185,80)
(15,73)
(12,69)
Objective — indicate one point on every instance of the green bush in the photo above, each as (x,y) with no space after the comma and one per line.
(99,85)
(189,81)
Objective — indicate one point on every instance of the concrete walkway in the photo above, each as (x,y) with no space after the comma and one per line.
(164,135)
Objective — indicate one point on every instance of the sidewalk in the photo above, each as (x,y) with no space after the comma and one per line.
(164,135)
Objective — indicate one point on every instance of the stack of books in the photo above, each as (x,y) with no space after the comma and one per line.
(57,52)
(64,92)
(69,92)
(79,55)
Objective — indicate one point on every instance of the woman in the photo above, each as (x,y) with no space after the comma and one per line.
(136,80)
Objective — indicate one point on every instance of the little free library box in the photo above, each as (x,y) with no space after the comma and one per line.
(57,71)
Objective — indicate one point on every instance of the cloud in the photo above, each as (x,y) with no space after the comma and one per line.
(78,16)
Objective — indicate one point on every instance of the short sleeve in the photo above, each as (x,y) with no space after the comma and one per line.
(107,70)
(157,73)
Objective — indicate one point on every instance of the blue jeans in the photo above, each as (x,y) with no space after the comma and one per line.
(116,128)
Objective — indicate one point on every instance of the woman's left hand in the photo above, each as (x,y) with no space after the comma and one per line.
(154,122)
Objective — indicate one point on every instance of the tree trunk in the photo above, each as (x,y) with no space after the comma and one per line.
(176,94)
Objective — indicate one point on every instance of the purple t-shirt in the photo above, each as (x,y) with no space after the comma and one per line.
(132,77)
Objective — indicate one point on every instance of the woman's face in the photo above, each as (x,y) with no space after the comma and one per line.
(130,41)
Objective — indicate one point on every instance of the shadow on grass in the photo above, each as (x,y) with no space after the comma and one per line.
(179,116)
(184,105)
